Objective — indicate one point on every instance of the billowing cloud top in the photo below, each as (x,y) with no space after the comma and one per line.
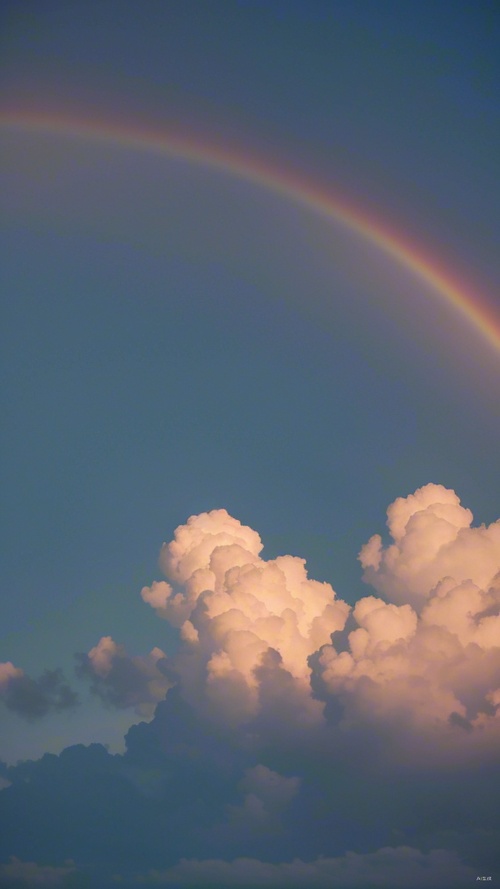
(427,660)
(432,661)
(433,539)
(420,661)
(232,606)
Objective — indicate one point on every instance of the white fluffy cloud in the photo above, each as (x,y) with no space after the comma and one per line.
(428,660)
(433,540)
(232,606)
(437,670)
(422,658)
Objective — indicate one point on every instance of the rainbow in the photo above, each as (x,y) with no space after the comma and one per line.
(463,298)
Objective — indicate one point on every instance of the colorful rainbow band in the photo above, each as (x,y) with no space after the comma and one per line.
(462,298)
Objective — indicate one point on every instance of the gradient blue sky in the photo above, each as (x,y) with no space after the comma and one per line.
(176,340)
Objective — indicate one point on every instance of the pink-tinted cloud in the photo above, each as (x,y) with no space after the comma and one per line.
(436,672)
(426,662)
(433,539)
(7,672)
(232,606)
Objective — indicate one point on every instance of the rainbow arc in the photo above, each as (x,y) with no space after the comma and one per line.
(463,298)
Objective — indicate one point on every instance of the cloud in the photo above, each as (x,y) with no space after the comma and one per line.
(433,540)
(232,606)
(430,664)
(33,698)
(8,672)
(387,868)
(266,796)
(121,680)
(287,724)
(18,874)
(257,635)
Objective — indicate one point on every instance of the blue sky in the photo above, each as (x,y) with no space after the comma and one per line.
(176,341)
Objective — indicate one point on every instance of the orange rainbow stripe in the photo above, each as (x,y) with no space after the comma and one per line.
(459,295)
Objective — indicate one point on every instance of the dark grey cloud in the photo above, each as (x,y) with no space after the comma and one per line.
(34,698)
(121,680)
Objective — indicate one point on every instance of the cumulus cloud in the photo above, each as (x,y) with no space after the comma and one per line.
(387,868)
(431,662)
(232,606)
(432,540)
(33,698)
(257,635)
(121,680)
